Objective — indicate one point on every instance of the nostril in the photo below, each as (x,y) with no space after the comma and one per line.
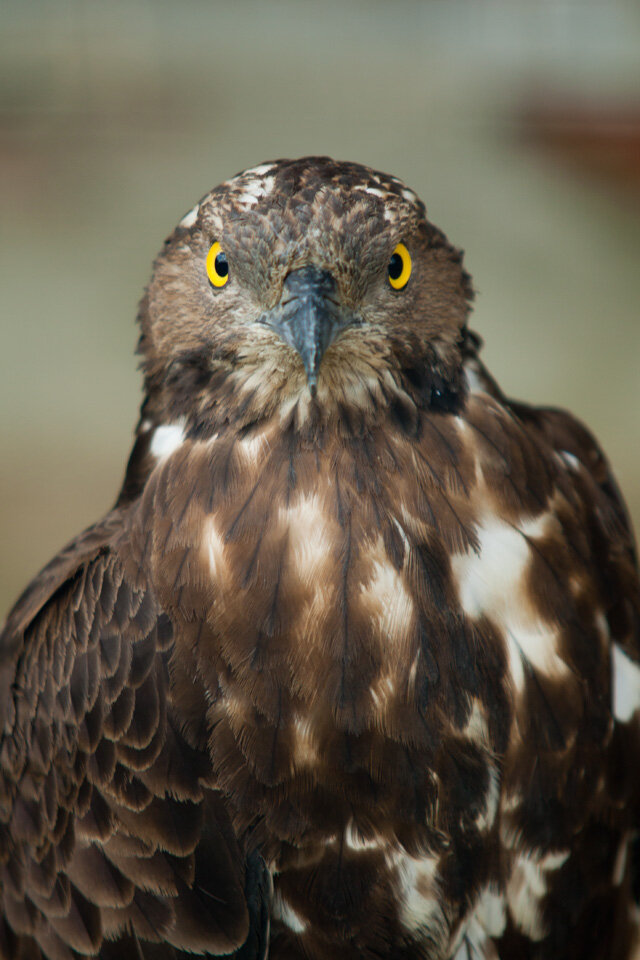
(304,300)
(288,296)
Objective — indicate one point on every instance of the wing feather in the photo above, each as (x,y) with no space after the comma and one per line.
(107,828)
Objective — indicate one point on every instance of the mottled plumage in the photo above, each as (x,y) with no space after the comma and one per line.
(351,670)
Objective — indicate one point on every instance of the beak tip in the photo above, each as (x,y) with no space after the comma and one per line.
(313,388)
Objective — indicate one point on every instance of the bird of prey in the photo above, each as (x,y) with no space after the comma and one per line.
(351,669)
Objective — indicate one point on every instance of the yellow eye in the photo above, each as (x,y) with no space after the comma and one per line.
(217,266)
(399,267)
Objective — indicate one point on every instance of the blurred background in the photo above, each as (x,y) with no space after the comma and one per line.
(517,121)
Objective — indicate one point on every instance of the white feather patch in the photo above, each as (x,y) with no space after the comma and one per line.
(281,910)
(487,920)
(620,864)
(492,583)
(388,599)
(309,541)
(570,460)
(190,218)
(214,547)
(474,383)
(527,887)
(626,684)
(166,439)
(255,190)
(476,727)
(258,171)
(375,192)
(354,840)
(418,895)
(254,447)
(490,912)
(305,751)
(486,818)
(383,692)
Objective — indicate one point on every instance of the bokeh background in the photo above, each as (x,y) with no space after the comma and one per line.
(518,121)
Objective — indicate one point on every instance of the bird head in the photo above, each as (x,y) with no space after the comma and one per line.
(310,285)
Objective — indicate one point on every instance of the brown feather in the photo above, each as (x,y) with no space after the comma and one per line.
(349,670)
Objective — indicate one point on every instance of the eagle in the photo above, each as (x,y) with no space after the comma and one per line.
(352,668)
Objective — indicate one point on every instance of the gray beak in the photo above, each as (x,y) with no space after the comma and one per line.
(309,317)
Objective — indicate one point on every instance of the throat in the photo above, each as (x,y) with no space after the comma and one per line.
(350,400)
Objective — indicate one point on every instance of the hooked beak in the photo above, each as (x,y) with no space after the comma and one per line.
(308,317)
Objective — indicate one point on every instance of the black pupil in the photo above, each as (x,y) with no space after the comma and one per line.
(221,265)
(395,266)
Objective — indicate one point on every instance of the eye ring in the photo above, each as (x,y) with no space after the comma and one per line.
(399,267)
(217,266)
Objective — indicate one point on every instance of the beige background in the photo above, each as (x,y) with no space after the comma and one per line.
(115,118)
